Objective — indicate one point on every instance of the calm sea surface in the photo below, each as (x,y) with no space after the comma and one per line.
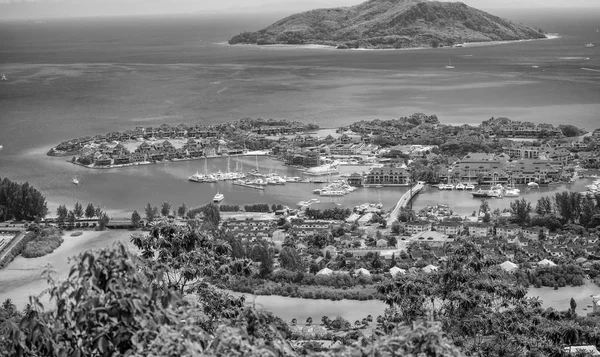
(70,78)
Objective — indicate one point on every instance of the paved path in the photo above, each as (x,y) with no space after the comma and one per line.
(9,247)
(404,200)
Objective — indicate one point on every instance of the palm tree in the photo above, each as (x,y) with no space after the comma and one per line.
(8,305)
(309,321)
(294,321)
(571,333)
(369,318)
(325,320)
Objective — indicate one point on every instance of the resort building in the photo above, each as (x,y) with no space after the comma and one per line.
(451,228)
(416,227)
(480,230)
(307,227)
(355,180)
(387,175)
(250,230)
(507,231)
(432,238)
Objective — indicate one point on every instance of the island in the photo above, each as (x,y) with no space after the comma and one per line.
(382,24)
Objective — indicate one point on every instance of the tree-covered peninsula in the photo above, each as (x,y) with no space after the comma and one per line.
(390,24)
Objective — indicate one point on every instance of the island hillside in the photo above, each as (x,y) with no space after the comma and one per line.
(390,24)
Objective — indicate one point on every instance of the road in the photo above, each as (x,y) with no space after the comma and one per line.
(8,248)
(404,200)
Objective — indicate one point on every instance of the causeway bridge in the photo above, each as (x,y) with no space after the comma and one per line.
(404,201)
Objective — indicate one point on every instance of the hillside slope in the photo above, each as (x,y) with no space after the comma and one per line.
(390,24)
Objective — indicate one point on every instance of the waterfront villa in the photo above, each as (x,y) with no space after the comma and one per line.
(387,176)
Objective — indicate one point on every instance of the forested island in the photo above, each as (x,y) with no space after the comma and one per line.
(390,24)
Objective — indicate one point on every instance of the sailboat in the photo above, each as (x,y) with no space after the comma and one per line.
(256,172)
(75,180)
(449,65)
(4,78)
(589,45)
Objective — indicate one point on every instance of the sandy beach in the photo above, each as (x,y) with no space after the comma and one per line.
(326,47)
(23,276)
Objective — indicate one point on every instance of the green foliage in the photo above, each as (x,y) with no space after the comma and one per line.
(90,211)
(336,213)
(257,207)
(21,202)
(135,219)
(165,209)
(229,208)
(181,210)
(520,210)
(150,216)
(44,242)
(570,130)
(78,210)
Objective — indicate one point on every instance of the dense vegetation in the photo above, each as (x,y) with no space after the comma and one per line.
(390,24)
(309,286)
(118,303)
(46,240)
(558,276)
(336,213)
(21,202)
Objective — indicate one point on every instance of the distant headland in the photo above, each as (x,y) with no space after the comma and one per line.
(390,24)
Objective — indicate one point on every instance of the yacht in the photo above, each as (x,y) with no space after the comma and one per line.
(460,186)
(197,177)
(322,170)
(449,65)
(332,193)
(4,78)
(1,147)
(511,192)
(533,185)
(481,194)
(75,181)
(469,186)
(589,45)
(492,193)
(449,186)
(218,197)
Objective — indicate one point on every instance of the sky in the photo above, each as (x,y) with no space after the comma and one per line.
(77,8)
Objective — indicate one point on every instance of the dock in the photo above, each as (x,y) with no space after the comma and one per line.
(404,201)
(243,184)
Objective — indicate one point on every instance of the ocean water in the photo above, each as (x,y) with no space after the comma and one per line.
(70,78)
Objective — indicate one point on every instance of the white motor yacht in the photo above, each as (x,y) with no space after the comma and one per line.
(469,186)
(218,197)
(512,192)
(460,186)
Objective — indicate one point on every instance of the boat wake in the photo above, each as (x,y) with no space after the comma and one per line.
(590,69)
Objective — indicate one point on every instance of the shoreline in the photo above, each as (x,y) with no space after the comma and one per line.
(314,46)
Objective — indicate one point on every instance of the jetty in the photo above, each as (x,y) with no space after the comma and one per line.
(403,202)
(245,184)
